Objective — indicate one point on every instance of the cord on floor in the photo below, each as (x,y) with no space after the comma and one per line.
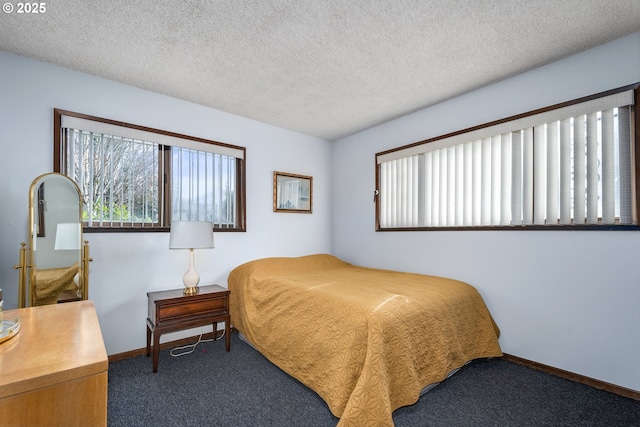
(190,348)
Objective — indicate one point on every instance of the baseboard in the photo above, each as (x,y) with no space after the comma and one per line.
(611,388)
(169,344)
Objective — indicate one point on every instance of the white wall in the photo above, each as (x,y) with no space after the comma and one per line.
(127,266)
(566,299)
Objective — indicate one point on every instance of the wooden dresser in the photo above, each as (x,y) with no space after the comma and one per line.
(54,371)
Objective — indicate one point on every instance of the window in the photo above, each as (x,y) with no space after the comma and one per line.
(138,178)
(570,166)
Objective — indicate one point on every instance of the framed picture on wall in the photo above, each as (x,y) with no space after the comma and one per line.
(292,193)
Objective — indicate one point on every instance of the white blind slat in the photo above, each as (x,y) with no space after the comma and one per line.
(435,188)
(477,182)
(451,186)
(626,187)
(539,175)
(460,182)
(485,191)
(553,180)
(495,179)
(428,194)
(608,169)
(516,178)
(579,170)
(527,176)
(592,168)
(505,179)
(566,194)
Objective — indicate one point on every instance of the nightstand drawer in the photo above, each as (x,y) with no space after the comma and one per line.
(210,306)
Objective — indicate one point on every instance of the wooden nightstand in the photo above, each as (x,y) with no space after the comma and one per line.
(172,310)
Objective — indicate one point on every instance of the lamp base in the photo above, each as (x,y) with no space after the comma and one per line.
(191,291)
(191,278)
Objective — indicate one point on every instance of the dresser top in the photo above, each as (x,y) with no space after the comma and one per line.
(56,343)
(179,293)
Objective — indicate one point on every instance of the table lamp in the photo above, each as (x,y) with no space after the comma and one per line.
(191,235)
(68,236)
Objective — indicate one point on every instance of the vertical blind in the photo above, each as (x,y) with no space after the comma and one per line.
(123,173)
(204,186)
(567,166)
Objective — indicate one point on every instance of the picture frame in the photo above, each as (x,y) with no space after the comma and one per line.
(292,193)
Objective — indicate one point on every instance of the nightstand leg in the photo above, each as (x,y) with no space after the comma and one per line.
(156,350)
(148,339)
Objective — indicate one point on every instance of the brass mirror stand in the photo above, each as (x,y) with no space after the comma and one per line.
(22,267)
(86,259)
(54,262)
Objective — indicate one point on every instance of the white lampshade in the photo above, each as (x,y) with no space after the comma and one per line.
(191,235)
(68,236)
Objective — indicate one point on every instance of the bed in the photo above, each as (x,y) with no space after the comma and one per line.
(51,282)
(367,341)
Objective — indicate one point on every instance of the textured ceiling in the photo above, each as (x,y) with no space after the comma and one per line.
(327,68)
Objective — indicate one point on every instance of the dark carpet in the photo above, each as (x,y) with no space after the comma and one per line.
(211,387)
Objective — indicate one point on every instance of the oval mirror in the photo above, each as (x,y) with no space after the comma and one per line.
(55,247)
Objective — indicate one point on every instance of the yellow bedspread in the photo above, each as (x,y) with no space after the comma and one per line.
(52,281)
(366,340)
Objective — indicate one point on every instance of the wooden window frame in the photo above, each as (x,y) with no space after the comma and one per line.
(635,155)
(165,224)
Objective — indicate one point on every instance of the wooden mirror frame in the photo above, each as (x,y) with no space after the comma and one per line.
(304,196)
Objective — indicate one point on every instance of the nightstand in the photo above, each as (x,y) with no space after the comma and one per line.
(172,310)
